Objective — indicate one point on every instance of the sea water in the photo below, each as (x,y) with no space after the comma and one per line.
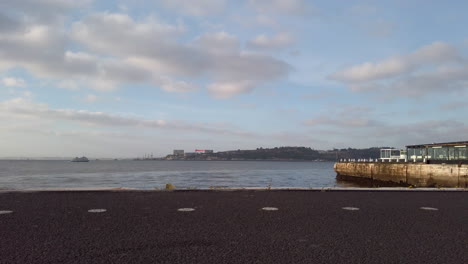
(31,174)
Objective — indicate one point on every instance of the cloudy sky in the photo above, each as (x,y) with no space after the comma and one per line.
(124,78)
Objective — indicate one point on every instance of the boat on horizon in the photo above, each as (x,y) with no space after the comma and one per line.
(82,159)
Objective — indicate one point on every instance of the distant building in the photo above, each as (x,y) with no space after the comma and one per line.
(203,151)
(389,155)
(178,152)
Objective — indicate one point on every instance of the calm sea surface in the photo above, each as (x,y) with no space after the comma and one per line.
(155,174)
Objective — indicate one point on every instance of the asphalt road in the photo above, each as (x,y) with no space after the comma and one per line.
(232,227)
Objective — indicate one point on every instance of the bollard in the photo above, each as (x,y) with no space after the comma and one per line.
(170,187)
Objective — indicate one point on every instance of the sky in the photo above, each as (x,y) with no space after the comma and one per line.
(125,78)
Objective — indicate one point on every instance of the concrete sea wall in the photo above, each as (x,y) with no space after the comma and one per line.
(405,174)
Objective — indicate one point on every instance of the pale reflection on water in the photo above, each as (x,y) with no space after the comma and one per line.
(155,174)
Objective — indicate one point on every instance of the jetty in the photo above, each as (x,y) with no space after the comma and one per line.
(427,165)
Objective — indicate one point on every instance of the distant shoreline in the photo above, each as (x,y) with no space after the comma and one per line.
(94,160)
(303,154)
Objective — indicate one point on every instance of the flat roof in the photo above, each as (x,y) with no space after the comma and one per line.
(439,144)
(392,149)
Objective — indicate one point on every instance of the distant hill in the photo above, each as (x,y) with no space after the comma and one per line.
(286,153)
(351,153)
(281,153)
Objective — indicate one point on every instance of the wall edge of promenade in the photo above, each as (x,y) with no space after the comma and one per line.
(405,174)
(275,189)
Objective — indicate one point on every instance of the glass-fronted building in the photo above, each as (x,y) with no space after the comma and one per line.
(451,152)
(389,155)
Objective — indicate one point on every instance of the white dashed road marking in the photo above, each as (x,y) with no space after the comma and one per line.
(429,208)
(185,209)
(5,212)
(350,208)
(97,210)
(270,209)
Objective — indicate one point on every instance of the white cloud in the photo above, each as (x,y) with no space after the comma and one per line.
(27,94)
(433,68)
(425,131)
(265,20)
(13,82)
(8,24)
(69,85)
(417,84)
(455,105)
(170,85)
(123,7)
(115,49)
(341,123)
(197,7)
(287,7)
(382,28)
(219,42)
(434,53)
(98,30)
(104,85)
(26,108)
(344,118)
(363,10)
(42,49)
(228,89)
(367,132)
(320,95)
(37,45)
(152,47)
(91,98)
(278,41)
(43,11)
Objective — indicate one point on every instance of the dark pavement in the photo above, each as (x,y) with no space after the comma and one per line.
(231,227)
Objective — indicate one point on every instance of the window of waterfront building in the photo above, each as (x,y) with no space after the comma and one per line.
(440,153)
(460,152)
(430,153)
(385,153)
(416,154)
(419,152)
(411,155)
(451,153)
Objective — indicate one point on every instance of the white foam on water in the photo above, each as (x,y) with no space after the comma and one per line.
(97,210)
(186,209)
(5,212)
(350,208)
(270,209)
(429,208)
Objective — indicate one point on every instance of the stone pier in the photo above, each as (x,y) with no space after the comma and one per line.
(405,174)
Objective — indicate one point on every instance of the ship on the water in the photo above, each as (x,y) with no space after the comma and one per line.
(82,159)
